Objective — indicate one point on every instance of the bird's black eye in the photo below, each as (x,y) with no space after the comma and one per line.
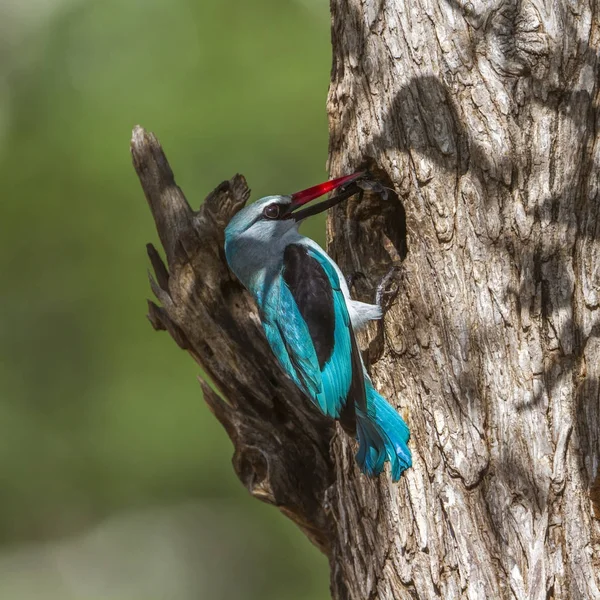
(271,211)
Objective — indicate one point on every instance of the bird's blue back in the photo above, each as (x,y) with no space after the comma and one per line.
(288,334)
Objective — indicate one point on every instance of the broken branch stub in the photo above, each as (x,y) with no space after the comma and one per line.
(281,445)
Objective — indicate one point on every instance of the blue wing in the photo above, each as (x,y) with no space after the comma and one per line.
(306,322)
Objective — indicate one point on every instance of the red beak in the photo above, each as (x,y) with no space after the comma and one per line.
(300,198)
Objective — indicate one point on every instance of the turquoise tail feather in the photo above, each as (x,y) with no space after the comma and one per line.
(382,435)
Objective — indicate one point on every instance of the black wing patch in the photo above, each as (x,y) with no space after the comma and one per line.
(312,292)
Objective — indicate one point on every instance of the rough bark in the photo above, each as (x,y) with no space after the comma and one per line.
(482,118)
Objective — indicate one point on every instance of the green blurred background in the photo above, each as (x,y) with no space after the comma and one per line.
(115,480)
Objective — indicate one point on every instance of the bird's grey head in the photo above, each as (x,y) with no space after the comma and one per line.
(265,220)
(256,237)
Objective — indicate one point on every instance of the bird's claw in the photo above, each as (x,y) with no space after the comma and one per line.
(387,290)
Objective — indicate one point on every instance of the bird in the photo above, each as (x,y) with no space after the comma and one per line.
(310,320)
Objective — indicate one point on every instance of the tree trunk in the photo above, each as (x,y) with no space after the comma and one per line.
(482,120)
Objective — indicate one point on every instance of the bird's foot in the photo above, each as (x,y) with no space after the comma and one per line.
(388,288)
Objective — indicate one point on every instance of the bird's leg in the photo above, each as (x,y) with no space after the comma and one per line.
(387,289)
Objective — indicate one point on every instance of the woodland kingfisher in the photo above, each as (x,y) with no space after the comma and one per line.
(310,320)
